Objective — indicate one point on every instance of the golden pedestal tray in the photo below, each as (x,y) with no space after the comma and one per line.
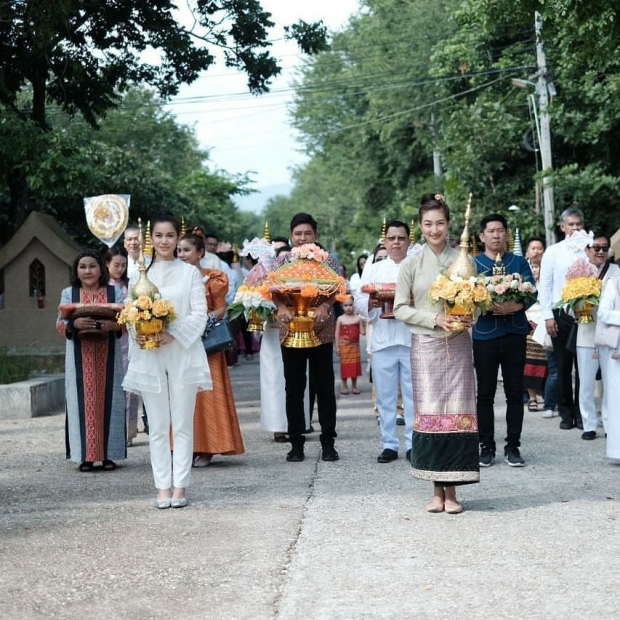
(301,329)
(457,311)
(255,323)
(153,330)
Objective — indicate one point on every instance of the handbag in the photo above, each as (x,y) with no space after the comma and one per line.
(217,335)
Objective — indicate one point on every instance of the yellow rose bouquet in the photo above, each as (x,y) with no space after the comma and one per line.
(582,291)
(147,316)
(460,296)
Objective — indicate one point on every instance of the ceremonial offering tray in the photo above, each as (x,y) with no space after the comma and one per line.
(97,312)
(383,292)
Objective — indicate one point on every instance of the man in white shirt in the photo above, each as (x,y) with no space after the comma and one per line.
(555,263)
(587,356)
(390,345)
(131,240)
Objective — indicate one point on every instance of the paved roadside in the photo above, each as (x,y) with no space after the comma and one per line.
(265,539)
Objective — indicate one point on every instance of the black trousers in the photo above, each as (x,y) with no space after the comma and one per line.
(568,405)
(507,352)
(322,370)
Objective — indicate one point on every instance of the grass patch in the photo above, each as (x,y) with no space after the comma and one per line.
(14,368)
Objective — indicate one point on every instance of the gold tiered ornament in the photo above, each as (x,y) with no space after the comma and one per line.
(460,289)
(303,280)
(146,314)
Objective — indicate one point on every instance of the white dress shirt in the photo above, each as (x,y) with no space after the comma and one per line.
(555,263)
(385,332)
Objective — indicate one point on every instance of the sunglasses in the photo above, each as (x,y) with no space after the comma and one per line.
(600,248)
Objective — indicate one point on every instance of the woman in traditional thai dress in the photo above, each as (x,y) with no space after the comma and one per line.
(116,262)
(95,401)
(445,432)
(216,426)
(169,377)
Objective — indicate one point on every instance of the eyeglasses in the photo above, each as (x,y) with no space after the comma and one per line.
(600,248)
(392,239)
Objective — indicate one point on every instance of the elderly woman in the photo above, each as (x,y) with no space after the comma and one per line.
(93,369)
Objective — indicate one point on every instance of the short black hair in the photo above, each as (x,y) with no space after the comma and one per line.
(597,234)
(303,218)
(397,224)
(493,217)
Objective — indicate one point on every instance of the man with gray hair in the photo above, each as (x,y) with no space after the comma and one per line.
(555,263)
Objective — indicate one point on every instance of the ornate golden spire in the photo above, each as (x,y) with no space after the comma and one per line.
(511,241)
(266,234)
(474,246)
(143,286)
(412,236)
(463,266)
(147,247)
(382,242)
(183,230)
(235,258)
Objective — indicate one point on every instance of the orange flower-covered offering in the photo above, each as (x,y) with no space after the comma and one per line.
(250,300)
(308,275)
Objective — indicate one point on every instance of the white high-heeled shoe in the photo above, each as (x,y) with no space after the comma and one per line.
(163,503)
(178,502)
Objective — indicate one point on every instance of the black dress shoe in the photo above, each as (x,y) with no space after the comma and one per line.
(408,455)
(296,455)
(328,453)
(588,435)
(579,425)
(387,456)
(309,430)
(566,425)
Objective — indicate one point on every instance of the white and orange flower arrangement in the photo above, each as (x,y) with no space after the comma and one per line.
(582,291)
(250,301)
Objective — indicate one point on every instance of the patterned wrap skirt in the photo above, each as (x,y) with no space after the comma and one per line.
(445,429)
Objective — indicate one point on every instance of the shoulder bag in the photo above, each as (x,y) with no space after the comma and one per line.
(217,336)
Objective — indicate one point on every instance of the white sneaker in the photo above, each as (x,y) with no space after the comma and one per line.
(549,413)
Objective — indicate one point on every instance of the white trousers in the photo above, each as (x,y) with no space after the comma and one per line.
(391,367)
(610,371)
(588,367)
(173,408)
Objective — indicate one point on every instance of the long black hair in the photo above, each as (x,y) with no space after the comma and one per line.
(117,250)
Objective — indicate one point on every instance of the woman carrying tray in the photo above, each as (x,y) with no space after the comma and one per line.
(95,401)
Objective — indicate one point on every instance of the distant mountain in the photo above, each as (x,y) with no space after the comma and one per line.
(256,202)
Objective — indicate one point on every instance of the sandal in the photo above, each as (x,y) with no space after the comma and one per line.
(532,405)
(344,391)
(356,391)
(86,466)
(108,465)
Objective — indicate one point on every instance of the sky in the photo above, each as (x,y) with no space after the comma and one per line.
(244,132)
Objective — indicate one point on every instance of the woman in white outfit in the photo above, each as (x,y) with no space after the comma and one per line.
(169,377)
(609,313)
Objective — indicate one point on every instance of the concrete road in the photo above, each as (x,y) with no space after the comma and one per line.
(263,538)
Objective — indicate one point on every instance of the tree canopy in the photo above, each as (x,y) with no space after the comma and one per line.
(419,96)
(82,56)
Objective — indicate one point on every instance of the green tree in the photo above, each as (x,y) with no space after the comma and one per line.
(82,56)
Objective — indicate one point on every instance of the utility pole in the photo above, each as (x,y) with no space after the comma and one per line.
(543,88)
